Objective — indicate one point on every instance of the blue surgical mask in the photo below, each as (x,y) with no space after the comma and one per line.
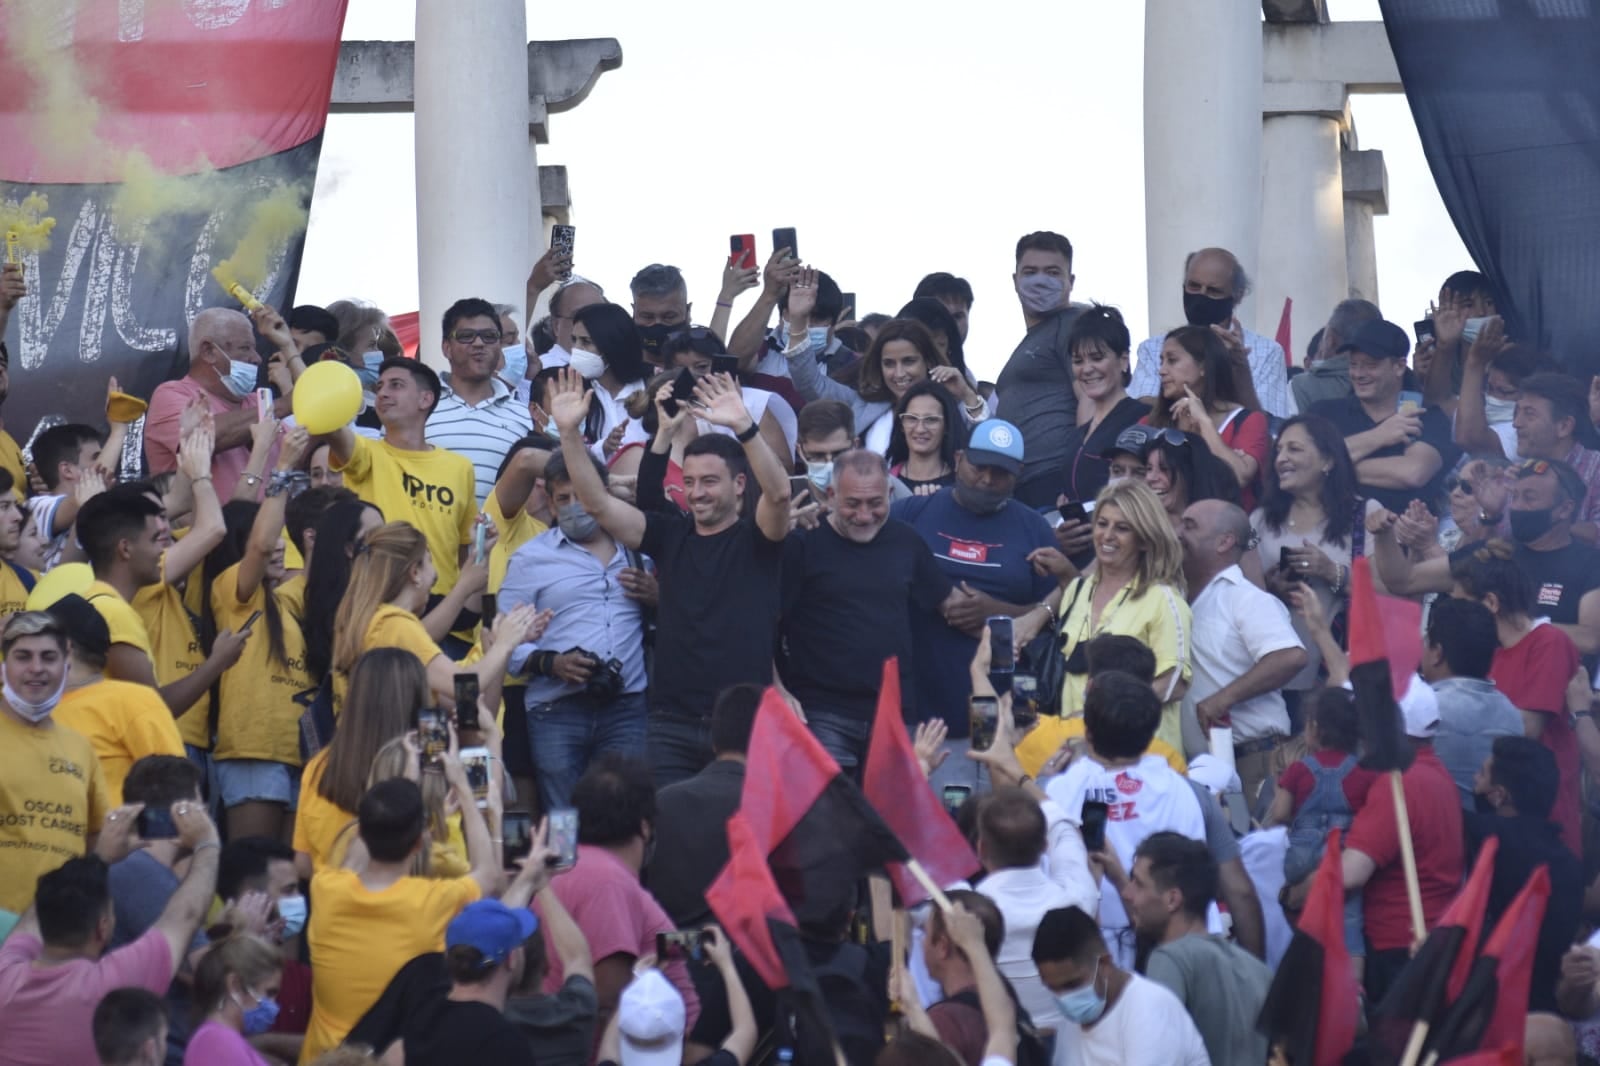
(516,363)
(240,378)
(820,475)
(261,1017)
(817,339)
(576,523)
(292,909)
(1083,1006)
(368,374)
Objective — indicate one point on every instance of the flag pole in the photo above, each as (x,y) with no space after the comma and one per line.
(1419,1036)
(1408,858)
(928,883)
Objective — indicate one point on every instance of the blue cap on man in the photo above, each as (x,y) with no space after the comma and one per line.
(996,442)
(493,928)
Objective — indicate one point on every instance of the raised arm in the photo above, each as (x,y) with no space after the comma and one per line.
(511,492)
(263,435)
(1472,418)
(735,279)
(741,1042)
(206,530)
(722,405)
(999,1013)
(751,332)
(266,532)
(569,402)
(190,903)
(481,852)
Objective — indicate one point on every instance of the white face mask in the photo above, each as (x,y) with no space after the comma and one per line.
(587,363)
(1498,412)
(33,712)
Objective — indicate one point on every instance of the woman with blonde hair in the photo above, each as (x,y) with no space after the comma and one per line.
(1135,589)
(235,993)
(390,578)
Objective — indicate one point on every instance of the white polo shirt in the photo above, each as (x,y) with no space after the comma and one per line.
(1236,625)
(483,432)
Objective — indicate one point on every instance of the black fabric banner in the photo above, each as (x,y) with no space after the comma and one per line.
(105,303)
(1506,97)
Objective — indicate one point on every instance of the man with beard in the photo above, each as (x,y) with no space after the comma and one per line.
(982,540)
(1214,282)
(847,585)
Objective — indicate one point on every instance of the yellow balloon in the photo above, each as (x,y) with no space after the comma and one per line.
(327,396)
(65,580)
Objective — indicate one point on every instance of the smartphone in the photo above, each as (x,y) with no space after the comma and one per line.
(1002,656)
(155,823)
(785,238)
(466,693)
(1092,820)
(564,836)
(681,945)
(248,622)
(984,714)
(263,404)
(1423,327)
(725,364)
(682,392)
(800,484)
(742,250)
(1076,510)
(516,827)
(849,306)
(953,796)
(1284,561)
(480,541)
(561,242)
(476,762)
(1410,400)
(433,737)
(1024,702)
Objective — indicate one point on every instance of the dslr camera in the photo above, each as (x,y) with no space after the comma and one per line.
(605,682)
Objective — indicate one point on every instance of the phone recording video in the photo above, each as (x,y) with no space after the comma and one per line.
(1024,702)
(562,239)
(785,238)
(953,796)
(1092,820)
(564,837)
(742,251)
(516,827)
(155,823)
(682,392)
(984,714)
(475,761)
(433,736)
(466,694)
(682,945)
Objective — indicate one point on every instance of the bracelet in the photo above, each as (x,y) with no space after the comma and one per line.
(250,479)
(1048,610)
(727,305)
(197,480)
(749,434)
(204,844)
(1024,781)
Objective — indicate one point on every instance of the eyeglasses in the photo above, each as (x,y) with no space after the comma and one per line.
(467,336)
(1451,484)
(911,421)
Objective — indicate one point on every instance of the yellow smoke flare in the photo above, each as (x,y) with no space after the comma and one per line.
(26,226)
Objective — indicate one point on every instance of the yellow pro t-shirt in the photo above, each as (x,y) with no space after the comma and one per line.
(391,627)
(123,722)
(514,532)
(175,650)
(259,717)
(434,490)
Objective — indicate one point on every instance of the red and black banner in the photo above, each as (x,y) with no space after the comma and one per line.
(159,132)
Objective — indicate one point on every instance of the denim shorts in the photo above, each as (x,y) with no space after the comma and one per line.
(259,781)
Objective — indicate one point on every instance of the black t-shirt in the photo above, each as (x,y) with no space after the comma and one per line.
(1087,471)
(453,1034)
(419,983)
(1035,392)
(1351,418)
(559,1028)
(1560,577)
(847,608)
(718,617)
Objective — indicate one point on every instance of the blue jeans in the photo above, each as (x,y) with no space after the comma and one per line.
(568,733)
(844,736)
(679,748)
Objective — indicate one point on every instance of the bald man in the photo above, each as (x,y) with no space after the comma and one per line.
(1245,648)
(223,369)
(1214,283)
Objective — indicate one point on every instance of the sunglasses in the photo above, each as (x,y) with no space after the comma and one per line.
(467,336)
(693,333)
(1453,483)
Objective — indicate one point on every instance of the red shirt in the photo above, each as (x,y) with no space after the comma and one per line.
(1298,782)
(1533,673)
(1246,431)
(1433,810)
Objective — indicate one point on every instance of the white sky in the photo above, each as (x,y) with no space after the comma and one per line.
(940,134)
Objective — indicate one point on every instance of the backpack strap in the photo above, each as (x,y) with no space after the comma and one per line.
(24,575)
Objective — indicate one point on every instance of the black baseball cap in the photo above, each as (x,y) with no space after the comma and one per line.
(1379,339)
(1132,441)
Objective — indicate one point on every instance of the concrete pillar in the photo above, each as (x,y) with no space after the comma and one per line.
(1366,194)
(1302,214)
(1202,140)
(476,177)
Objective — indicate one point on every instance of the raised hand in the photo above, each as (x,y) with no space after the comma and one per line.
(550,268)
(569,399)
(271,325)
(779,272)
(736,279)
(722,403)
(194,453)
(295,445)
(929,745)
(802,296)
(13,287)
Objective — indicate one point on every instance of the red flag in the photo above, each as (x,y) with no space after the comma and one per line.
(1513,942)
(786,769)
(1383,627)
(746,900)
(1506,1056)
(1284,339)
(1312,1006)
(894,785)
(1466,913)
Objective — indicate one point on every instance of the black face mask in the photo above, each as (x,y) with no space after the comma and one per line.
(1203,310)
(1529,526)
(980,501)
(651,338)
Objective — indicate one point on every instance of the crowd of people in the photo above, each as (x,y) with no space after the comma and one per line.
(415,741)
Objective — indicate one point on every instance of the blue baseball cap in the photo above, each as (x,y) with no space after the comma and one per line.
(493,928)
(996,442)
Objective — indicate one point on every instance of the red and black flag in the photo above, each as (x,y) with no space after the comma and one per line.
(1312,1008)
(1436,974)
(159,134)
(1492,1010)
(897,790)
(1385,647)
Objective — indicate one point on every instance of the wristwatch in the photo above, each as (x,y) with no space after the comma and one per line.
(749,434)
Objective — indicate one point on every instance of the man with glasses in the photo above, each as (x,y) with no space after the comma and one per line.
(982,540)
(478,416)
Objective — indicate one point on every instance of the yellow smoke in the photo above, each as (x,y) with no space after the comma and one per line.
(273,221)
(26,226)
(66,113)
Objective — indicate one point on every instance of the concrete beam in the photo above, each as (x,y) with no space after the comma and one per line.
(1295,10)
(1355,53)
(1325,98)
(378,77)
(555,199)
(1365,179)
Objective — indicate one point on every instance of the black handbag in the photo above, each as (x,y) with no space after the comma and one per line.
(1044,659)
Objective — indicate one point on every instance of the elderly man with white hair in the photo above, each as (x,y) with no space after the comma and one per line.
(223,369)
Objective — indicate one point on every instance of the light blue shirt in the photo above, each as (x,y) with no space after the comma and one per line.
(592,612)
(1472,712)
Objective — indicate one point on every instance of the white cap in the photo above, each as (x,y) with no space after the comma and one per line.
(1214,773)
(650,1018)
(1419,707)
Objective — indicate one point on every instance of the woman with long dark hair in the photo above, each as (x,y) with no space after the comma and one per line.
(1180,471)
(1311,520)
(338,534)
(928,431)
(607,352)
(1201,394)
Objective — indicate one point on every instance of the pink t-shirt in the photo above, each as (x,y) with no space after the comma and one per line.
(161,432)
(618,916)
(48,1010)
(217,1045)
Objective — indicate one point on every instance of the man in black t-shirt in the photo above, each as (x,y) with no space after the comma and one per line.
(717,567)
(1401,449)
(849,586)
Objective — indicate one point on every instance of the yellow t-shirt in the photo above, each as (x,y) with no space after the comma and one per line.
(1158,616)
(52,796)
(13,593)
(359,939)
(175,651)
(259,719)
(124,722)
(124,622)
(11,460)
(292,596)
(514,533)
(318,821)
(1045,739)
(391,627)
(436,491)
